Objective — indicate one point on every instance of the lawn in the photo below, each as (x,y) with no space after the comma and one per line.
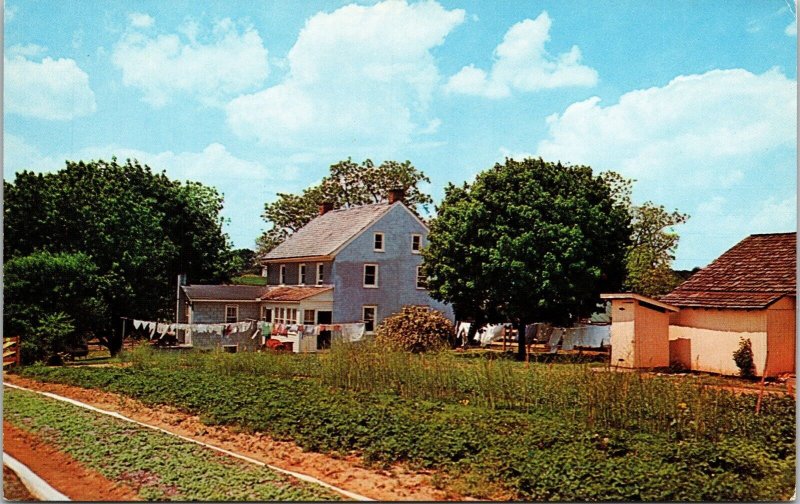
(158,466)
(488,427)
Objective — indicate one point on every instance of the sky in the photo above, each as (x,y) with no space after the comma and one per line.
(695,100)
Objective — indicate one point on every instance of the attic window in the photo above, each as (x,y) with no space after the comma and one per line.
(379,242)
(416,243)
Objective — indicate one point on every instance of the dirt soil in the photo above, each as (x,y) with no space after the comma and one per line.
(13,488)
(348,472)
(60,470)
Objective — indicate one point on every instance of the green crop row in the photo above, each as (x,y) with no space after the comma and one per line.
(538,452)
(158,466)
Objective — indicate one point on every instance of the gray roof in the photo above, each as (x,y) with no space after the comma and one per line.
(227,292)
(326,233)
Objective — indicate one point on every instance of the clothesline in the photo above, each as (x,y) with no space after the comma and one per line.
(352,331)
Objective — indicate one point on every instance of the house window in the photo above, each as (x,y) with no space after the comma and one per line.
(283,274)
(416,243)
(422,279)
(320,273)
(231,314)
(265,272)
(301,275)
(379,242)
(285,315)
(370,275)
(368,317)
(266,314)
(308,317)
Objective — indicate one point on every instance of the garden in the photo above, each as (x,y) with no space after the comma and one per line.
(485,428)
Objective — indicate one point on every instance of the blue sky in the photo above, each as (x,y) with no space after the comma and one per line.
(695,100)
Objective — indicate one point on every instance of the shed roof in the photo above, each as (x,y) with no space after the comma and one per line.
(253,292)
(753,274)
(325,234)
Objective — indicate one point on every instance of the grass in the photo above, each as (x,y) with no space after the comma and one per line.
(249,280)
(489,427)
(158,466)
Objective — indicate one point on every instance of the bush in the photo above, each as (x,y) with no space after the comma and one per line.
(54,334)
(415,329)
(743,356)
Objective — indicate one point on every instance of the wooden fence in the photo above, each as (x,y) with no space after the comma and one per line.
(11,351)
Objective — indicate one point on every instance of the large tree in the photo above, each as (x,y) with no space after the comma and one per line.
(652,250)
(139,228)
(348,184)
(528,241)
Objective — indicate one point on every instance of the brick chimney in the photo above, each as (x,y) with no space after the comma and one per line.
(396,194)
(325,207)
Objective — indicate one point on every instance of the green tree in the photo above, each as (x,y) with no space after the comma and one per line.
(140,228)
(652,250)
(348,184)
(47,293)
(528,241)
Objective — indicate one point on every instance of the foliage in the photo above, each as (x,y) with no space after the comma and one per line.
(743,357)
(158,466)
(652,250)
(249,280)
(415,329)
(53,302)
(140,229)
(348,184)
(244,262)
(707,444)
(528,241)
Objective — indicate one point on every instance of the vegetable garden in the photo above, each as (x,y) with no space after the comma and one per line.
(488,428)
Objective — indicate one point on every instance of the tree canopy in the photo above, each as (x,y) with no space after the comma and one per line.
(529,241)
(348,184)
(652,250)
(140,229)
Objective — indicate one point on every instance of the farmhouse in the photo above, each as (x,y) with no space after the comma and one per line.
(358,264)
(748,293)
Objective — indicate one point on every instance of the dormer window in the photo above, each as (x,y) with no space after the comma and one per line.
(283,274)
(378,242)
(416,243)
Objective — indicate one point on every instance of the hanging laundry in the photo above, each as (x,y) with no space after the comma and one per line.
(555,338)
(353,332)
(492,333)
(530,333)
(137,324)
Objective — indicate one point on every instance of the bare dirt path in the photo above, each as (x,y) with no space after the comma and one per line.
(348,472)
(60,470)
(13,488)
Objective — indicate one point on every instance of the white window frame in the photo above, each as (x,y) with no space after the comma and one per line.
(374,316)
(282,276)
(320,273)
(301,274)
(383,242)
(313,318)
(364,277)
(265,272)
(417,251)
(416,280)
(235,307)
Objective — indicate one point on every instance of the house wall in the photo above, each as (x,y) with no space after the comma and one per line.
(781,336)
(396,270)
(708,338)
(622,316)
(213,312)
(292,273)
(651,337)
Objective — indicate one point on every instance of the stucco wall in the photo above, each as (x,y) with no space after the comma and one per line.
(214,312)
(396,266)
(622,313)
(781,336)
(651,339)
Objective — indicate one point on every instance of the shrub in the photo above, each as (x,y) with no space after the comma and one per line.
(53,334)
(743,357)
(415,329)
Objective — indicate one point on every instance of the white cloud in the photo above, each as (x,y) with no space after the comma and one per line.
(47,89)
(522,63)
(10,11)
(357,76)
(717,144)
(230,61)
(141,20)
(791,29)
(26,50)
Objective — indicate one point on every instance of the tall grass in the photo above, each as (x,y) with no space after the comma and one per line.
(575,392)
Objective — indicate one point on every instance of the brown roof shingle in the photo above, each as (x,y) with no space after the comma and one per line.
(326,233)
(253,292)
(753,274)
